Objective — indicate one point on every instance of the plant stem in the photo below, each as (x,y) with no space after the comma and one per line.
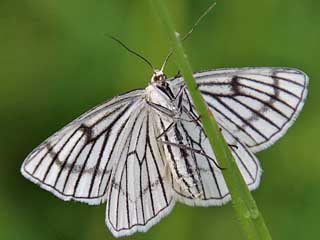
(251,220)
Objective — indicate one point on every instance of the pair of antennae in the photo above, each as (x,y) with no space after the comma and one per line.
(171,51)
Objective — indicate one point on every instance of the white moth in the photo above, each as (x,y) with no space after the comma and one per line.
(143,151)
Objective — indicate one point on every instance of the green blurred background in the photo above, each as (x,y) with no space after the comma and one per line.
(55,63)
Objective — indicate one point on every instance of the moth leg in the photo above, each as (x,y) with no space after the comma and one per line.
(181,146)
(166,130)
(178,74)
(173,114)
(179,96)
(161,109)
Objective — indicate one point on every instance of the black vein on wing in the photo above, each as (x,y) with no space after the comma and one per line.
(246,123)
(125,169)
(272,96)
(97,164)
(274,75)
(271,85)
(81,171)
(155,162)
(256,113)
(147,124)
(209,161)
(64,162)
(190,142)
(54,155)
(149,182)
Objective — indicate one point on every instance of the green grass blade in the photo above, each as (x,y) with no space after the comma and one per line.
(251,220)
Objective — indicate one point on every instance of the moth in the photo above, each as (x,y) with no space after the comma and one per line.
(142,151)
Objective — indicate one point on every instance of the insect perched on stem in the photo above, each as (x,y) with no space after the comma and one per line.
(142,151)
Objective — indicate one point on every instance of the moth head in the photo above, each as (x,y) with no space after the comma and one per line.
(158,76)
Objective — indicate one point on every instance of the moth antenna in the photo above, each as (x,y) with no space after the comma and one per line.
(198,21)
(189,32)
(166,60)
(132,51)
